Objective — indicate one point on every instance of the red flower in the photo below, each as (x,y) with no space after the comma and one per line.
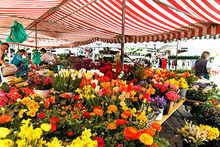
(205,112)
(119,145)
(70,133)
(213,101)
(52,99)
(86,115)
(102,69)
(76,116)
(76,105)
(109,74)
(13,89)
(121,121)
(100,141)
(55,119)
(93,85)
(98,107)
(147,97)
(53,127)
(76,97)
(135,81)
(41,115)
(82,85)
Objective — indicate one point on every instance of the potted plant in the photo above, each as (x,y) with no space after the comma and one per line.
(40,83)
(66,82)
(158,104)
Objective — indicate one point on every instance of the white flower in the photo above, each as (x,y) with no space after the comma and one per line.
(18,100)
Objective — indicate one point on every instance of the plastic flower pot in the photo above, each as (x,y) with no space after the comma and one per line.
(183,93)
(42,93)
(160,115)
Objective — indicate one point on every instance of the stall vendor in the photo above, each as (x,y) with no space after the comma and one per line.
(46,57)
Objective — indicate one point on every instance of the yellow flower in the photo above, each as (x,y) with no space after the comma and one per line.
(31,113)
(6,143)
(45,127)
(25,100)
(149,109)
(4,132)
(146,139)
(122,104)
(143,117)
(36,134)
(54,143)
(88,75)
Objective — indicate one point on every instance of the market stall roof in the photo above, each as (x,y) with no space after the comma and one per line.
(84,21)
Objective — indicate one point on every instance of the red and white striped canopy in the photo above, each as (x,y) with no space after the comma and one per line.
(85,21)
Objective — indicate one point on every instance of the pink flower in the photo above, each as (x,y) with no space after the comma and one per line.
(172,96)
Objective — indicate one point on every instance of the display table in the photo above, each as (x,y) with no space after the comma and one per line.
(194,101)
(165,117)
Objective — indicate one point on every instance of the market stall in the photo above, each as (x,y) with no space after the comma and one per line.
(107,104)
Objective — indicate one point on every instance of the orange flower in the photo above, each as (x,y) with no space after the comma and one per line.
(149,131)
(25,100)
(128,113)
(98,112)
(124,116)
(153,145)
(112,108)
(67,108)
(31,113)
(156,126)
(4,119)
(112,126)
(131,133)
(63,113)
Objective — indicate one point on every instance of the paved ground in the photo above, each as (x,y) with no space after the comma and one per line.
(176,121)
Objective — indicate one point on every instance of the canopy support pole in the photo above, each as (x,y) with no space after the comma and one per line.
(36,35)
(123,34)
(176,55)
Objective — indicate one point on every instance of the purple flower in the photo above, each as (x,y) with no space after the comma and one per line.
(158,103)
(29,80)
(40,76)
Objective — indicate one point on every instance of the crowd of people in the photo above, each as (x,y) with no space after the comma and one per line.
(201,66)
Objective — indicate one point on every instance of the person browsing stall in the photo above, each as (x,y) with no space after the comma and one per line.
(202,66)
(3,48)
(46,57)
(17,60)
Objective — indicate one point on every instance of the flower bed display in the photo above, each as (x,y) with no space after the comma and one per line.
(195,136)
(202,90)
(115,112)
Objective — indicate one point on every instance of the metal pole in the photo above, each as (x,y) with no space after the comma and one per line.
(123,34)
(36,35)
(176,55)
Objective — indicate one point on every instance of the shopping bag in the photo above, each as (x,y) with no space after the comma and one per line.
(10,70)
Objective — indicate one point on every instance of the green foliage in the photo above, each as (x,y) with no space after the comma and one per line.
(184,57)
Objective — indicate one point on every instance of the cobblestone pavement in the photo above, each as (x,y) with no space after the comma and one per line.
(176,121)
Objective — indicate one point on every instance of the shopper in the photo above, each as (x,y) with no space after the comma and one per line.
(46,57)
(3,48)
(164,63)
(203,66)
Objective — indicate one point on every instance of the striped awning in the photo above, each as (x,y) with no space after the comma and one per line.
(85,21)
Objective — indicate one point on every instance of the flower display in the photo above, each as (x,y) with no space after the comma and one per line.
(40,82)
(198,135)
